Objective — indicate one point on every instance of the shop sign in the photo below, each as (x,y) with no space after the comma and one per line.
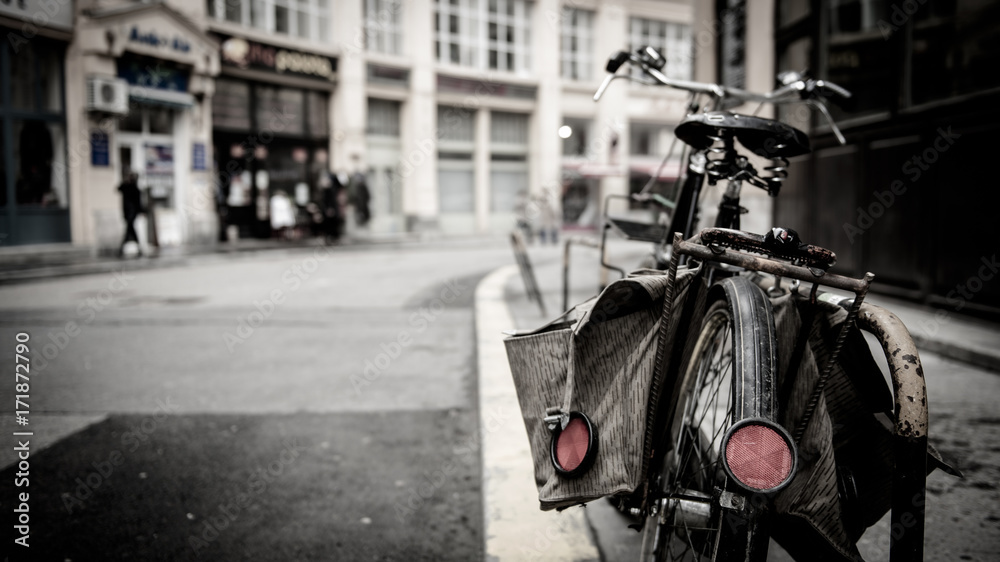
(157,41)
(159,76)
(243,53)
(198,159)
(159,159)
(99,150)
(55,14)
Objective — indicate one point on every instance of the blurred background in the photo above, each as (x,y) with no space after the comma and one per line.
(444,117)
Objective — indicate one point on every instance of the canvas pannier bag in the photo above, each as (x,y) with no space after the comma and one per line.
(599,360)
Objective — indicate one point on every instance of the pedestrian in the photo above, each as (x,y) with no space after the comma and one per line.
(131,208)
(332,189)
(522,208)
(548,222)
(362,199)
(282,215)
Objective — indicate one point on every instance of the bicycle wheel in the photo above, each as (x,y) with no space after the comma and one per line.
(700,511)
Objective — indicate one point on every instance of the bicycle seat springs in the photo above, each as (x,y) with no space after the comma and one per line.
(724,162)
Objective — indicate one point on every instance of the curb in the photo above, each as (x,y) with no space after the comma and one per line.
(514,528)
(967,355)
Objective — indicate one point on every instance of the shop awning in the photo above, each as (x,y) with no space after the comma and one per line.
(152,96)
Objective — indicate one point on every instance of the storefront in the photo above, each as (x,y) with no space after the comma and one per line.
(144,75)
(271,131)
(34,194)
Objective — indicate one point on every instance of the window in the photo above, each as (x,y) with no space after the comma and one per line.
(279,110)
(456,171)
(383,118)
(308,19)
(577,44)
(576,139)
(508,159)
(383,33)
(649,139)
(492,35)
(673,40)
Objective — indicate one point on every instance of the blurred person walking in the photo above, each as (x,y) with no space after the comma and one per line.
(333,216)
(362,199)
(131,208)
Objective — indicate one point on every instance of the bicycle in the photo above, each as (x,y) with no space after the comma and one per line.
(717,458)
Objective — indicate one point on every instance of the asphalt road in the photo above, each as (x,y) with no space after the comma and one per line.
(297,405)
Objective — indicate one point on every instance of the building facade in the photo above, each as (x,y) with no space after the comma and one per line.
(460,114)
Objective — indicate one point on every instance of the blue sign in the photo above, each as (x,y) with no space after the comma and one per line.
(153,40)
(99,150)
(198,158)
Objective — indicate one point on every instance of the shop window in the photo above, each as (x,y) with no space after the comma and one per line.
(792,11)
(954,49)
(39,156)
(319,118)
(279,110)
(161,120)
(24,76)
(507,181)
(456,181)
(231,104)
(132,121)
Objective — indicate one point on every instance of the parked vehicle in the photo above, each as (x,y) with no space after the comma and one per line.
(721,397)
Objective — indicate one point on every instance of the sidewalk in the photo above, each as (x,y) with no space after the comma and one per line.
(31,262)
(938,330)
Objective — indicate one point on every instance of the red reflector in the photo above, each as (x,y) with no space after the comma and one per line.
(759,457)
(572,445)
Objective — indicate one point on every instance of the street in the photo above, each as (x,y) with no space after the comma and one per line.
(320,404)
(300,405)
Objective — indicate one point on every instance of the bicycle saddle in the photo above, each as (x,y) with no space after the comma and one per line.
(764,137)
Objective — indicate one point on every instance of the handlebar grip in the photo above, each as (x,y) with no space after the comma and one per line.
(616,62)
(830,86)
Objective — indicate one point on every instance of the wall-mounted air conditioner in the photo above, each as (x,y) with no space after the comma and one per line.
(109,95)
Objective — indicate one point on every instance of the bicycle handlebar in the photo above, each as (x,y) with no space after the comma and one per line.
(796,90)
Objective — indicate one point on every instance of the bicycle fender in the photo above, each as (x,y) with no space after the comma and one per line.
(755,364)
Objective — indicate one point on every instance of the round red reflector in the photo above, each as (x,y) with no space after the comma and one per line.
(759,457)
(572,445)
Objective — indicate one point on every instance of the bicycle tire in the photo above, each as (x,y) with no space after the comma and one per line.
(730,375)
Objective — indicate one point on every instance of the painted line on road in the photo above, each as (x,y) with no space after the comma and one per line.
(514,528)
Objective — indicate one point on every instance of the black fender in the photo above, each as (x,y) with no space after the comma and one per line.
(755,363)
